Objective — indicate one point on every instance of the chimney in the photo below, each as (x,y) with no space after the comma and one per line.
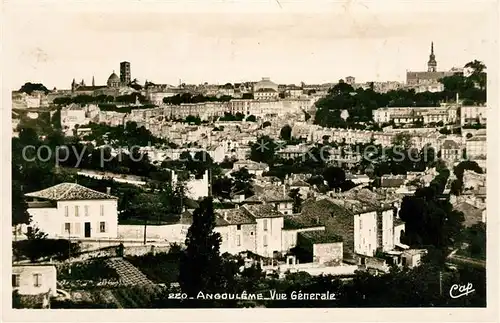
(284,190)
(225,215)
(108,190)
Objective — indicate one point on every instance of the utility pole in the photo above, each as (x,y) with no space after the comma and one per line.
(440,283)
(69,249)
(145,226)
(210,181)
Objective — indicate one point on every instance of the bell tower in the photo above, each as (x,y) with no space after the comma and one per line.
(432,64)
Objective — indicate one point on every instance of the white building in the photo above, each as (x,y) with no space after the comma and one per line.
(75,115)
(69,210)
(35,279)
(472,115)
(196,188)
(373,230)
(253,167)
(476,147)
(450,151)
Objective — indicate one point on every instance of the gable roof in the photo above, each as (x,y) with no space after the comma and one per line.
(234,216)
(300,183)
(68,192)
(450,144)
(263,211)
(269,193)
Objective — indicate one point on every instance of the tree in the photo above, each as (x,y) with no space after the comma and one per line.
(201,263)
(286,133)
(247,96)
(297,200)
(263,150)
(334,176)
(459,170)
(251,118)
(20,214)
(478,75)
(29,88)
(242,182)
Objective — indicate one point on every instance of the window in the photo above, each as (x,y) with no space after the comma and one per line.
(251,233)
(37,280)
(67,227)
(265,241)
(15,280)
(238,240)
(78,228)
(360,224)
(265,225)
(77,209)
(238,227)
(86,207)
(102,210)
(66,211)
(102,227)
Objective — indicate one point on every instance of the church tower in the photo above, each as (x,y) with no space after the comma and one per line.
(73,86)
(432,64)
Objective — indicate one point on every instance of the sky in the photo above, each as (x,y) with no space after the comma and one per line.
(52,42)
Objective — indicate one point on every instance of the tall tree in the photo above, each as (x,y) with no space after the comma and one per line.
(201,263)
(297,200)
(286,132)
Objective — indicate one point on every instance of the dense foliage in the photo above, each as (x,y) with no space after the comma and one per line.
(194,98)
(429,216)
(359,103)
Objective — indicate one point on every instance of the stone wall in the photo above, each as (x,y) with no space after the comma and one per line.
(330,254)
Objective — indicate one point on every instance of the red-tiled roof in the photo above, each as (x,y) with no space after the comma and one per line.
(69,191)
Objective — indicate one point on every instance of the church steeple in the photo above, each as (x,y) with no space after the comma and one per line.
(432,64)
(93,81)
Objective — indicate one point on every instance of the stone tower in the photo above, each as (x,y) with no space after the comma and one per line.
(432,64)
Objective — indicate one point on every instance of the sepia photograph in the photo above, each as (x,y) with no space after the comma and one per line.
(289,155)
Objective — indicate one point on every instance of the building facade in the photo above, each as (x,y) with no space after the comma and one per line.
(69,210)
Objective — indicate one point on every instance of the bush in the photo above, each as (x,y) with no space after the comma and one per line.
(159,268)
(93,270)
(36,249)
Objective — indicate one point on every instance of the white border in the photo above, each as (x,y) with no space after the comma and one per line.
(267,315)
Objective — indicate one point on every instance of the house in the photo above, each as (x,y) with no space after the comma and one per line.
(254,228)
(451,151)
(35,284)
(303,187)
(272,195)
(358,178)
(253,167)
(473,180)
(365,228)
(295,224)
(476,147)
(392,180)
(70,210)
(324,247)
(473,115)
